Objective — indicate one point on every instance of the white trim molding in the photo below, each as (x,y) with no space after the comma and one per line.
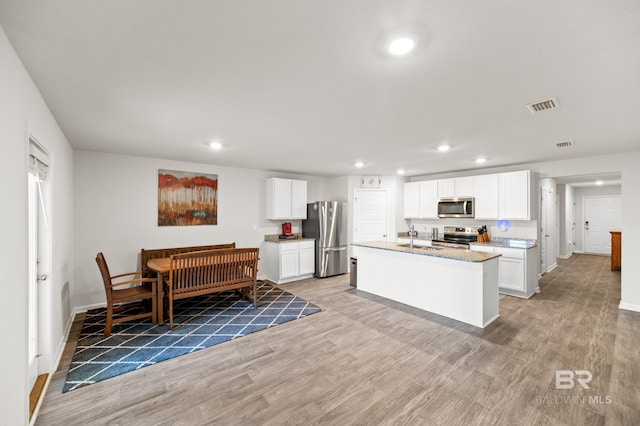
(629,307)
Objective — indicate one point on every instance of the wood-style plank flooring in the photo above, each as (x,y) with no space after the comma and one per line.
(368,361)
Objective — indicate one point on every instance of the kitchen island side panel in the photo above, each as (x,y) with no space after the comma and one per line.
(464,291)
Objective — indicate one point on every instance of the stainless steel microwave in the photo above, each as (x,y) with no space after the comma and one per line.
(456,207)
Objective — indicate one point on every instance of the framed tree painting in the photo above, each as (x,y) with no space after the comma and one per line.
(187,199)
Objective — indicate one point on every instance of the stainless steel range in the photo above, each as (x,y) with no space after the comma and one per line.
(457,237)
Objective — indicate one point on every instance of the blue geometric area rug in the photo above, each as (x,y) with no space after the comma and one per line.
(199,322)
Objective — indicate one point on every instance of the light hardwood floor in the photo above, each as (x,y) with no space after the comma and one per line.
(365,360)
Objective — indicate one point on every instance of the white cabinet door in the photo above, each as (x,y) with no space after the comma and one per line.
(411,200)
(486,190)
(429,199)
(463,187)
(446,188)
(514,195)
(286,199)
(512,273)
(298,199)
(455,187)
(289,260)
(307,258)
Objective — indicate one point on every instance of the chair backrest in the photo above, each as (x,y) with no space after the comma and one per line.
(147,255)
(106,276)
(200,270)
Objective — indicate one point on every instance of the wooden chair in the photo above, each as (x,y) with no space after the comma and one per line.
(137,290)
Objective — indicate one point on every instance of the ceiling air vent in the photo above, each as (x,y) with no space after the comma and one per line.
(543,105)
(566,144)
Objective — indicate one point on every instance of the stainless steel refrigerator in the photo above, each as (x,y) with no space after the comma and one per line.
(327,222)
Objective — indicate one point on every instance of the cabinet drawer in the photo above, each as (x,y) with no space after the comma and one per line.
(287,247)
(483,248)
(511,253)
(309,244)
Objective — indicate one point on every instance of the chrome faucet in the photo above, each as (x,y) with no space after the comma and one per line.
(411,232)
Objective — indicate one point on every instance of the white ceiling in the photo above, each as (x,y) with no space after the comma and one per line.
(306,86)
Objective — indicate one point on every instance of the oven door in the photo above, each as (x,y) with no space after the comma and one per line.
(456,207)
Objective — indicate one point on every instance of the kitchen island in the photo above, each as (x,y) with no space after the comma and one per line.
(455,283)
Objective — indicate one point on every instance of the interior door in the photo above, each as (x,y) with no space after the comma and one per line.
(601,214)
(544,233)
(33,281)
(39,262)
(371,215)
(573,226)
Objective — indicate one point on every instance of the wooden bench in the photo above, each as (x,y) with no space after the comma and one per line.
(146,255)
(210,271)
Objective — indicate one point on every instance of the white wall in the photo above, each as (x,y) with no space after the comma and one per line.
(116,202)
(589,191)
(22,110)
(630,232)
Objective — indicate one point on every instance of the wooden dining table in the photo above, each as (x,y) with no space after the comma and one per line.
(161,267)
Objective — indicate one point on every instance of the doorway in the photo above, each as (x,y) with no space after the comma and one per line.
(39,240)
(601,215)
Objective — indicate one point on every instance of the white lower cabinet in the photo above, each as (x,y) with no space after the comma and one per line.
(517,269)
(512,274)
(290,260)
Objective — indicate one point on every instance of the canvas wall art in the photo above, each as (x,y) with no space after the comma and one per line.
(187,199)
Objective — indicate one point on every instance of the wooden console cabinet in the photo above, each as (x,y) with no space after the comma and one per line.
(616,249)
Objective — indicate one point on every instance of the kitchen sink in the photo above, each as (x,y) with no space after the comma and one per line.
(420,247)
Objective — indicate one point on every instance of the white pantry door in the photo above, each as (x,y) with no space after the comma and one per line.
(371,215)
(601,215)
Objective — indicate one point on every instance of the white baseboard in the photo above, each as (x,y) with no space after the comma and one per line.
(578,251)
(552,267)
(565,256)
(629,307)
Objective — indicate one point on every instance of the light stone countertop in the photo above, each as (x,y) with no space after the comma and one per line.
(444,252)
(520,243)
(275,238)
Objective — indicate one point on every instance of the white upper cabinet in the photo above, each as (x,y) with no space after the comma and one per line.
(456,187)
(497,196)
(298,199)
(486,190)
(412,200)
(286,199)
(446,188)
(429,199)
(421,200)
(515,195)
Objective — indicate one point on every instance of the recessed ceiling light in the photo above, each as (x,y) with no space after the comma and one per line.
(444,148)
(215,145)
(401,171)
(359,164)
(599,182)
(481,160)
(401,46)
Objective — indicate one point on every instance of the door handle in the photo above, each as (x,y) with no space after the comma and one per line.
(336,249)
(41,277)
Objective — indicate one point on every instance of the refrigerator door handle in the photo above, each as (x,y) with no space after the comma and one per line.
(335,249)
